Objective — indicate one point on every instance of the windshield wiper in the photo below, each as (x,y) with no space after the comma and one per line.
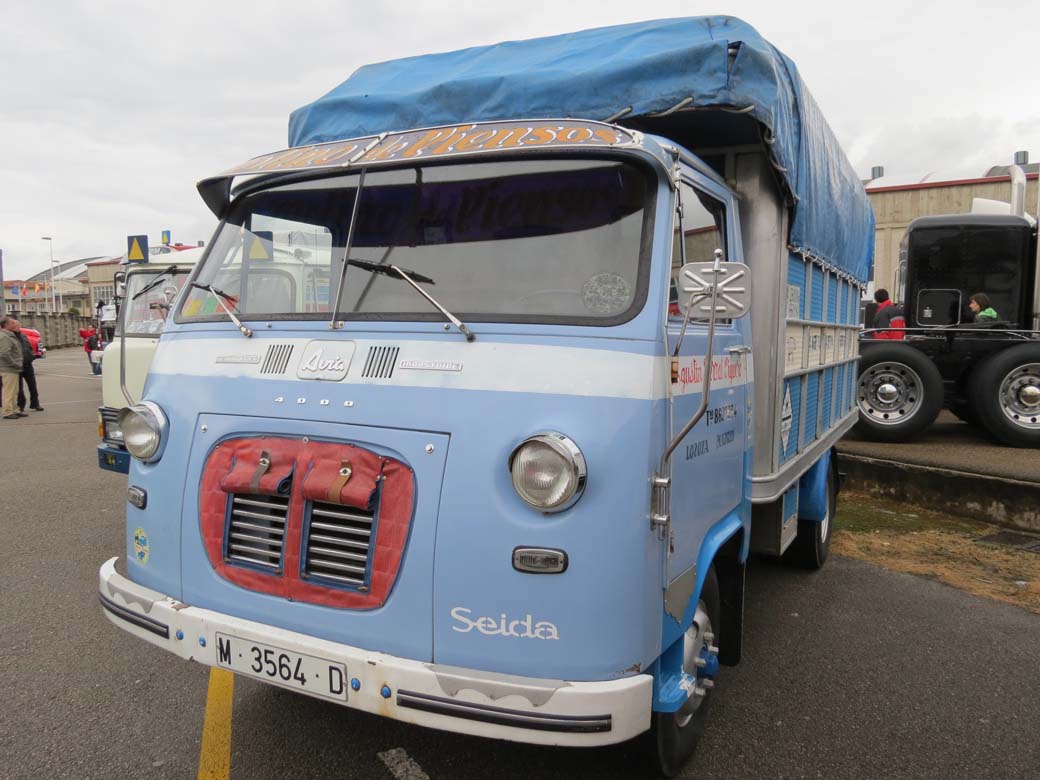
(389,270)
(154,283)
(413,278)
(220,297)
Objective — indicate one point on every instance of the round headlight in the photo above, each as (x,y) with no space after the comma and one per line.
(548,471)
(143,426)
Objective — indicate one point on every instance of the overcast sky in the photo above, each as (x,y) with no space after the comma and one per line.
(111,111)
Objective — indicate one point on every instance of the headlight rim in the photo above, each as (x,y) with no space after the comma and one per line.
(564,446)
(157,421)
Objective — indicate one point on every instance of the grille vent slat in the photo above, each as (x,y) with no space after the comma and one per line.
(277,359)
(338,542)
(256,530)
(380,362)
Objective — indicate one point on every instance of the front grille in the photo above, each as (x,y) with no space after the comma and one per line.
(380,362)
(338,543)
(277,359)
(256,530)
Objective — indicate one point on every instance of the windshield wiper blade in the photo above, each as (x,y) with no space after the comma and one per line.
(154,283)
(389,270)
(221,296)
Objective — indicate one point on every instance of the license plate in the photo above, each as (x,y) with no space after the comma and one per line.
(306,673)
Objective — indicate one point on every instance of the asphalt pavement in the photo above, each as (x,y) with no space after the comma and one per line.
(851,672)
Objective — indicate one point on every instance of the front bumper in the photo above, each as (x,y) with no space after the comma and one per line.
(465,701)
(113,458)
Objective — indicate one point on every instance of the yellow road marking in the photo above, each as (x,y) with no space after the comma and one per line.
(215,758)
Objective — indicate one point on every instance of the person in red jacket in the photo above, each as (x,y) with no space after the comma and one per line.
(91,341)
(888,315)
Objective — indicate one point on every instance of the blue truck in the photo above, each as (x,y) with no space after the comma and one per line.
(560,330)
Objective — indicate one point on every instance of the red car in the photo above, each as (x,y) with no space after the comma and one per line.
(34,341)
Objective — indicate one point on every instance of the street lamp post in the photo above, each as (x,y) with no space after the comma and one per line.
(50,243)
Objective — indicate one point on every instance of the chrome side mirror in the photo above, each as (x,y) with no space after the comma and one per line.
(732,296)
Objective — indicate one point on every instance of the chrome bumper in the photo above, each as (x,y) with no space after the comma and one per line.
(521,709)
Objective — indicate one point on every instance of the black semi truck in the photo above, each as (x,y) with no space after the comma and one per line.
(986,372)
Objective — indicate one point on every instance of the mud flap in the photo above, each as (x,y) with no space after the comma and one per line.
(731,573)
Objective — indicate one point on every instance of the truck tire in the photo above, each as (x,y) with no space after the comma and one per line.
(1005,391)
(900,392)
(674,736)
(811,546)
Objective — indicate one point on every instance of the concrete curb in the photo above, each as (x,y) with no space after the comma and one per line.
(1008,502)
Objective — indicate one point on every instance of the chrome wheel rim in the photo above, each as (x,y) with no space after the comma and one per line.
(1019,396)
(697,639)
(890,393)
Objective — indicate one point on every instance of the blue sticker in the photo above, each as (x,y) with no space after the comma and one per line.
(141,550)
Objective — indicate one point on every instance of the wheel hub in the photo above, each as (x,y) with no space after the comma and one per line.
(700,662)
(890,393)
(1029,396)
(1019,396)
(887,393)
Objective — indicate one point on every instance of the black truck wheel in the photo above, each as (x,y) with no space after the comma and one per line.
(900,392)
(1005,391)
(674,736)
(810,548)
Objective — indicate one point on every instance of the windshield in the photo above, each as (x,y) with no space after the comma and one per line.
(145,315)
(521,241)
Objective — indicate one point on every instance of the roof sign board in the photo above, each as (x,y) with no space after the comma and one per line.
(137,249)
(429,143)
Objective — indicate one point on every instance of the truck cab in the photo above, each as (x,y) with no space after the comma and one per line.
(987,370)
(148,292)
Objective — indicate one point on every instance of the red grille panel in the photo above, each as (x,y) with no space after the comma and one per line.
(340,474)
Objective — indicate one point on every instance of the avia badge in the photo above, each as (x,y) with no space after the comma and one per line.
(326,360)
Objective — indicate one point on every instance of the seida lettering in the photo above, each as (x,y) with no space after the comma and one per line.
(523,628)
(318,362)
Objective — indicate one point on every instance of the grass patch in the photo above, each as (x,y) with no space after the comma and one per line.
(861,513)
(918,541)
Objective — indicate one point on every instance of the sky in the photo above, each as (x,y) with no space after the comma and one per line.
(111,111)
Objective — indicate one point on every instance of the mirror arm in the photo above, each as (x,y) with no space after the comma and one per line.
(660,516)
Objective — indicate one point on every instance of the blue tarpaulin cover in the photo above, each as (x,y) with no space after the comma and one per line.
(595,74)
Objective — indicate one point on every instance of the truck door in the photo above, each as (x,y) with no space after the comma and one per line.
(707,468)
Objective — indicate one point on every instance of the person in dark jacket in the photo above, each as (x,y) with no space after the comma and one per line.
(28,375)
(888,315)
(91,341)
(10,367)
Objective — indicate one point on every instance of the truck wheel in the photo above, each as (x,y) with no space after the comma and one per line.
(1005,391)
(675,735)
(810,548)
(900,392)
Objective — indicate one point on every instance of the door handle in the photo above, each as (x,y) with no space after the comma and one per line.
(740,349)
